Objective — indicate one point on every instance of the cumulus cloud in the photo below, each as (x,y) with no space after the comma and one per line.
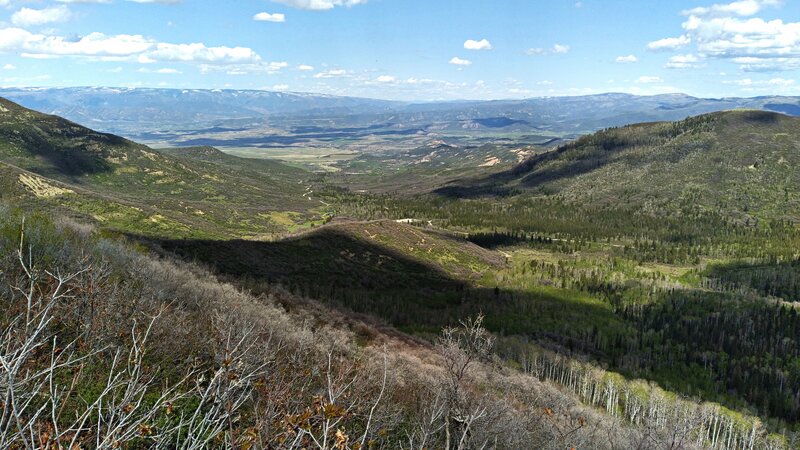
(30,17)
(334,73)
(9,67)
(386,79)
(781,82)
(731,31)
(560,48)
(165,2)
(305,67)
(669,43)
(682,61)
(270,17)
(320,5)
(79,1)
(121,47)
(483,44)
(648,80)
(753,64)
(746,82)
(460,62)
(280,87)
(198,52)
(742,8)
(163,71)
(627,59)
(556,49)
(731,37)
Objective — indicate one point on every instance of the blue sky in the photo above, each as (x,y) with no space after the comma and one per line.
(407,49)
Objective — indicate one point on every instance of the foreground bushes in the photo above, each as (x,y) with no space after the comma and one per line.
(106,347)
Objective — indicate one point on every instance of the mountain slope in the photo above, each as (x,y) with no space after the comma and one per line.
(215,156)
(134,188)
(741,163)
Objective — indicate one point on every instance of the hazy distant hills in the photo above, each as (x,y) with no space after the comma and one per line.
(133,110)
(175,113)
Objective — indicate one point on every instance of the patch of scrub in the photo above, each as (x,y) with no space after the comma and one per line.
(41,188)
(492,161)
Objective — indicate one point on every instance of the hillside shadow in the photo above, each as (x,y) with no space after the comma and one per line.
(528,174)
(785,108)
(67,149)
(325,256)
(761,117)
(361,276)
(779,279)
(269,141)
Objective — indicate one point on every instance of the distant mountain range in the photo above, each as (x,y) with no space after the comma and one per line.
(138,112)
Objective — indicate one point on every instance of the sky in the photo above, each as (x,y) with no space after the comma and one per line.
(412,50)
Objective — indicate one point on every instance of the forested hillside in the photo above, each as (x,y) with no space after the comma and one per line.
(741,164)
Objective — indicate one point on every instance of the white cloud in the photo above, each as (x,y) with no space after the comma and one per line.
(744,82)
(483,44)
(31,17)
(275,66)
(682,61)
(267,17)
(305,67)
(320,5)
(94,44)
(334,73)
(460,62)
(742,8)
(122,47)
(627,59)
(669,43)
(164,71)
(554,50)
(386,79)
(9,67)
(781,82)
(198,52)
(753,64)
(280,87)
(648,80)
(730,31)
(560,48)
(535,51)
(730,37)
(164,2)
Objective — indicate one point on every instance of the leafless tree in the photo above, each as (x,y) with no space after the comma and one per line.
(461,347)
